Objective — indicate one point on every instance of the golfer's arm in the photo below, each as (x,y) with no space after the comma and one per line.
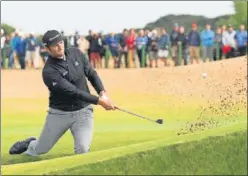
(92,76)
(55,82)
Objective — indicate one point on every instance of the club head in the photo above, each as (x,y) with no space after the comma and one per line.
(159,121)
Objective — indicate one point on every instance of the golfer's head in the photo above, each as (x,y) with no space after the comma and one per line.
(54,43)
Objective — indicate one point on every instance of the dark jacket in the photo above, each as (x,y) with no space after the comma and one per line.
(163,42)
(194,38)
(102,43)
(173,38)
(31,43)
(183,39)
(153,44)
(65,39)
(94,45)
(218,39)
(66,81)
(76,38)
(122,40)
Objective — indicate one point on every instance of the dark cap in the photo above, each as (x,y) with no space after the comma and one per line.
(229,25)
(51,37)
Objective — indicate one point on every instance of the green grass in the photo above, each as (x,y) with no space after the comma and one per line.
(222,155)
(116,134)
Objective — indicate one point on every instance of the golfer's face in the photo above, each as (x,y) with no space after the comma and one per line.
(58,49)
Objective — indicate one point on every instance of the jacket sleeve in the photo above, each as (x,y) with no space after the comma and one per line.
(55,82)
(92,75)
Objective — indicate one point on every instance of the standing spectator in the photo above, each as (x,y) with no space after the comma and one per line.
(3,56)
(32,58)
(194,40)
(153,49)
(94,50)
(21,49)
(182,40)
(123,48)
(229,43)
(241,39)
(140,44)
(7,50)
(163,46)
(173,37)
(65,39)
(12,57)
(131,48)
(71,40)
(113,44)
(147,35)
(76,38)
(89,38)
(207,38)
(102,44)
(43,52)
(218,46)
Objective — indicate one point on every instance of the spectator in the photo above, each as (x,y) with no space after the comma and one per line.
(76,38)
(218,46)
(65,39)
(194,40)
(131,48)
(20,49)
(89,38)
(229,43)
(140,44)
(102,44)
(7,50)
(32,58)
(43,52)
(173,36)
(163,46)
(71,40)
(147,35)
(241,39)
(207,38)
(123,48)
(153,49)
(94,50)
(3,56)
(12,57)
(182,40)
(113,44)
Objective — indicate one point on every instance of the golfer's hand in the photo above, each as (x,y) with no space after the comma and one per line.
(106,103)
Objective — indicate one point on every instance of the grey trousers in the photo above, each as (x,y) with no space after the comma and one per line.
(207,52)
(57,123)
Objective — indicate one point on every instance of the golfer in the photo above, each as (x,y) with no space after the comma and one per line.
(70,101)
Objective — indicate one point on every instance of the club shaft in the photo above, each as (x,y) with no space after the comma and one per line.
(135,114)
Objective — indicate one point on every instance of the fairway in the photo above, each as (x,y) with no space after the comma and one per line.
(191,106)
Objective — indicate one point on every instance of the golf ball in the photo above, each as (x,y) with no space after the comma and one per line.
(204,75)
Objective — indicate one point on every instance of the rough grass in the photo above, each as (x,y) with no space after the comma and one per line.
(222,155)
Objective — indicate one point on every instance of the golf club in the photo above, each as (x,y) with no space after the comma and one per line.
(159,121)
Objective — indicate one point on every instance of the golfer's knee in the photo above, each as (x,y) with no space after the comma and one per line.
(80,149)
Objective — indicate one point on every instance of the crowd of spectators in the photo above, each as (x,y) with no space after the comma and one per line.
(146,47)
